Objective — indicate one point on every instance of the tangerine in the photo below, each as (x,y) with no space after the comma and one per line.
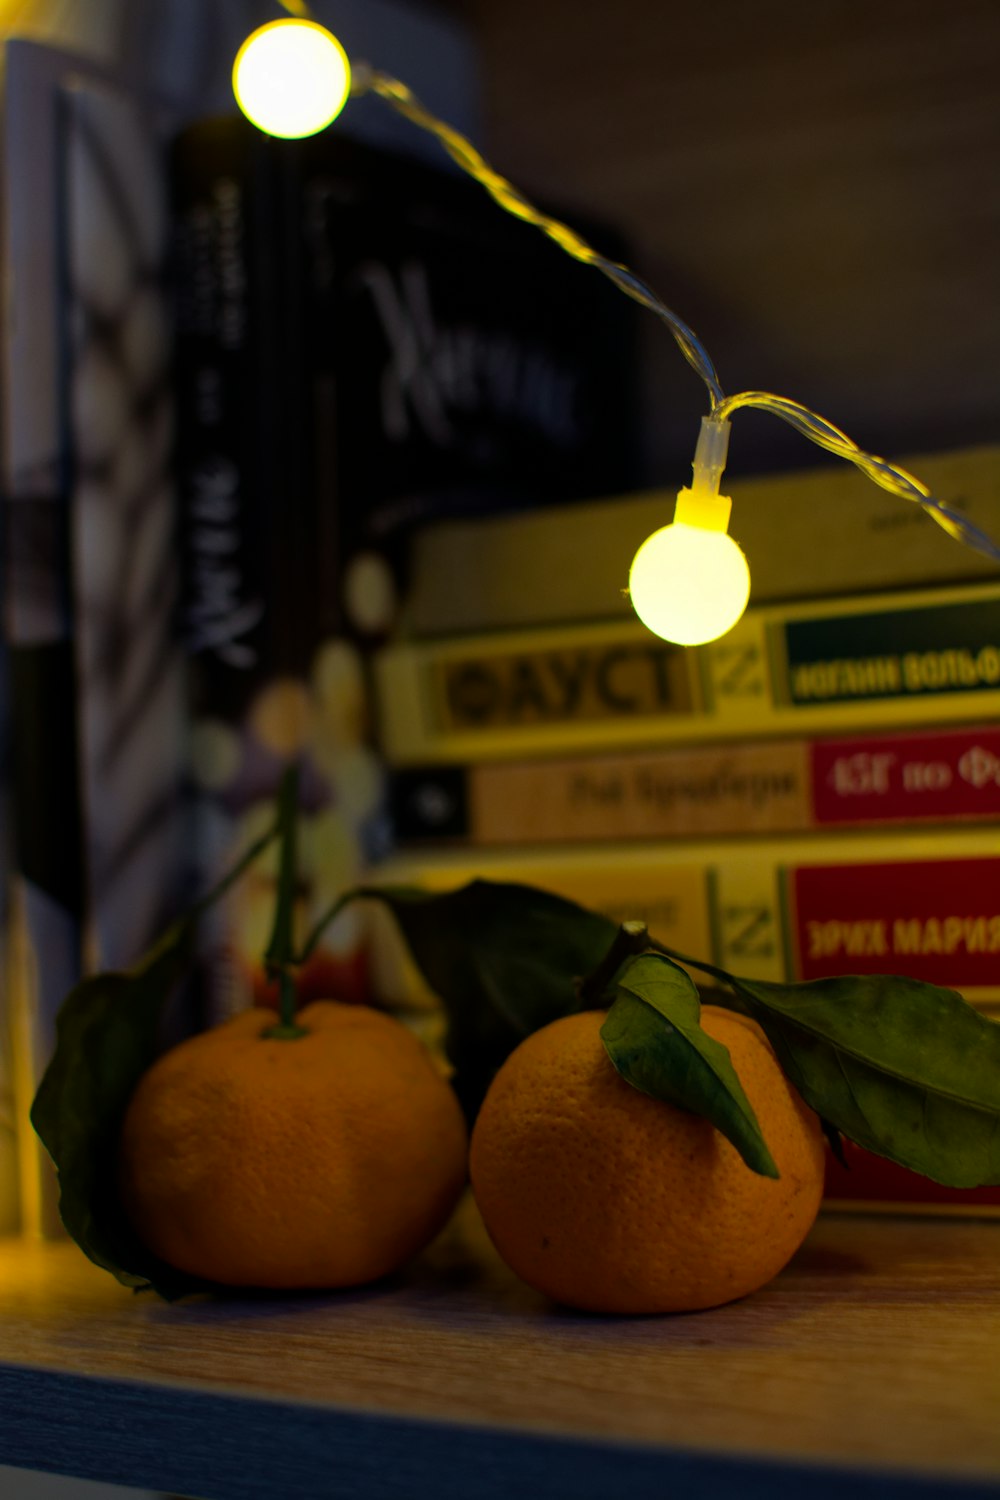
(326,1160)
(611,1201)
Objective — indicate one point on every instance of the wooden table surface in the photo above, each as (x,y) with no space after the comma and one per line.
(873,1361)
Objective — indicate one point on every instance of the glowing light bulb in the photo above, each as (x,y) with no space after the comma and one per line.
(689,582)
(291,78)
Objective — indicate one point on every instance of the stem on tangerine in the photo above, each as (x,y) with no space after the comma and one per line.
(631,938)
(280,955)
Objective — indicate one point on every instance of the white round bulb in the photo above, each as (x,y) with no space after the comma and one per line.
(688,584)
(291,78)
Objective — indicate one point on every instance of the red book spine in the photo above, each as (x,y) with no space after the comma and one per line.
(933,919)
(872,1181)
(936,920)
(942,774)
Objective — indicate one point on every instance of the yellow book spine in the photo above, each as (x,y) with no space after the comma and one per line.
(926,905)
(878,662)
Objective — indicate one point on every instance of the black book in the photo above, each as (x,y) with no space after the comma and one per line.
(370,343)
(363,343)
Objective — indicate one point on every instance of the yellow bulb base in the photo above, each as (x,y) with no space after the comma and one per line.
(699,507)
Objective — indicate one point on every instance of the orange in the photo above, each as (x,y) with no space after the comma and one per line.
(609,1200)
(323,1161)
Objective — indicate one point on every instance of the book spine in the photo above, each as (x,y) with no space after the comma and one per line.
(216,339)
(772,787)
(937,919)
(128,661)
(830,531)
(273,680)
(43,937)
(222,541)
(926,905)
(848,665)
(869,1182)
(10,1125)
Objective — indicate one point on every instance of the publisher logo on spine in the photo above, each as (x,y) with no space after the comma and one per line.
(922,652)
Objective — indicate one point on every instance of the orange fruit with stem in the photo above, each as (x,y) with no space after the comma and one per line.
(612,1201)
(320,1159)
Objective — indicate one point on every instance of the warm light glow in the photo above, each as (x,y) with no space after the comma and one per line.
(689,584)
(291,78)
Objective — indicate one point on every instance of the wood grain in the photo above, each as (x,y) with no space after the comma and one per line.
(878,1347)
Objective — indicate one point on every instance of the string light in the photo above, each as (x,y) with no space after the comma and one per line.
(689,582)
(709,580)
(291,77)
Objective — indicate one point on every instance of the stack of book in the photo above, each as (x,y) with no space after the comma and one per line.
(817,793)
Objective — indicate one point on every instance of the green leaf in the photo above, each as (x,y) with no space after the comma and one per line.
(654,1038)
(503,959)
(907,1070)
(107,1035)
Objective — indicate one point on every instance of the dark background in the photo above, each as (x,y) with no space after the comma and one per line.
(814,187)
